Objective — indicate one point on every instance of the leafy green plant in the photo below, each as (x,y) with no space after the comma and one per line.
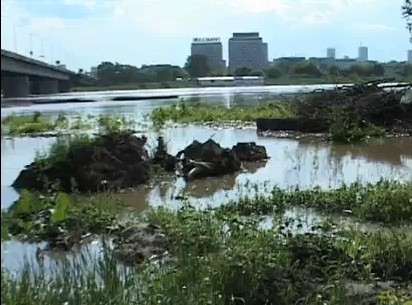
(188,113)
(348,133)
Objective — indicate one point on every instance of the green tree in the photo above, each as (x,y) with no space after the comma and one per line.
(378,70)
(197,65)
(407,14)
(307,68)
(242,71)
(257,73)
(334,71)
(273,72)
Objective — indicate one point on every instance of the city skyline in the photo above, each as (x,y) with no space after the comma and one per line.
(83,33)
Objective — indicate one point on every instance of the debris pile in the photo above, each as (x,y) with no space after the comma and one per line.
(372,103)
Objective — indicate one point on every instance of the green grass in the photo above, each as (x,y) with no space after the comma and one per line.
(219,256)
(27,124)
(34,124)
(187,113)
(34,217)
(385,201)
(226,260)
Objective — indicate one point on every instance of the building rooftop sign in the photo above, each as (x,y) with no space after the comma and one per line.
(206,40)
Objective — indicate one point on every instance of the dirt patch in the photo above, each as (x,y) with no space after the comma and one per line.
(115,161)
(139,243)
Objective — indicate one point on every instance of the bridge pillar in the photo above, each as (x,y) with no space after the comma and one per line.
(48,86)
(64,86)
(15,86)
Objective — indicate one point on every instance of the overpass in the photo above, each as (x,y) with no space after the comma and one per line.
(22,76)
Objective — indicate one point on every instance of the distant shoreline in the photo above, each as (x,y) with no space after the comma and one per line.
(268,82)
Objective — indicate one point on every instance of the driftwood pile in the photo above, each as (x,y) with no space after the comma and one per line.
(373,102)
(376,102)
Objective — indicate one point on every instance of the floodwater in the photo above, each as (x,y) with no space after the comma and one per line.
(293,163)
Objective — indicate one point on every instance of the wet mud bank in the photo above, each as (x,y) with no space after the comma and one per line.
(121,160)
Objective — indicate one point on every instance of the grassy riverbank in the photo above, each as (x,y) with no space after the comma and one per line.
(219,256)
(36,123)
(189,113)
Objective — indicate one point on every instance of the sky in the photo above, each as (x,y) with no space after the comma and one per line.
(83,33)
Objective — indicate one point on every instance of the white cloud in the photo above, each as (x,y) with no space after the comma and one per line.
(376,27)
(91,4)
(319,17)
(280,7)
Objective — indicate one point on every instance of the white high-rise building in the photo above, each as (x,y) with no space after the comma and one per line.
(212,49)
(247,50)
(410,57)
(363,54)
(331,53)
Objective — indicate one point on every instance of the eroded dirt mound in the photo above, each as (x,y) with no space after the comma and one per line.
(207,159)
(113,161)
(210,159)
(139,243)
(249,151)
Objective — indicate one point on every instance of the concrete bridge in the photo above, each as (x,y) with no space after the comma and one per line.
(22,76)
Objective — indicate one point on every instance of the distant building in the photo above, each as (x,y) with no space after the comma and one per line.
(247,50)
(93,72)
(363,54)
(212,49)
(322,62)
(288,60)
(410,57)
(344,63)
(222,81)
(331,53)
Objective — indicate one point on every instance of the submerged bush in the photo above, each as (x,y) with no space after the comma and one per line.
(348,133)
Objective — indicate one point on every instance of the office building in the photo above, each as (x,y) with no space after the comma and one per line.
(288,60)
(331,53)
(93,72)
(247,50)
(212,49)
(363,54)
(410,57)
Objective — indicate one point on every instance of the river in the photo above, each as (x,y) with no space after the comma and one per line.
(293,163)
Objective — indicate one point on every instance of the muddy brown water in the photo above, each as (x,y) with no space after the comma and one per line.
(293,163)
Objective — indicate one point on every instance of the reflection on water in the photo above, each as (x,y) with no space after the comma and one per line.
(228,96)
(292,163)
(15,254)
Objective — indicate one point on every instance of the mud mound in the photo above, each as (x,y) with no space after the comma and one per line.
(139,243)
(249,151)
(210,159)
(207,159)
(112,161)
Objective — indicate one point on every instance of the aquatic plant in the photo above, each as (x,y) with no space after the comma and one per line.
(227,260)
(59,217)
(183,112)
(348,133)
(26,124)
(384,201)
